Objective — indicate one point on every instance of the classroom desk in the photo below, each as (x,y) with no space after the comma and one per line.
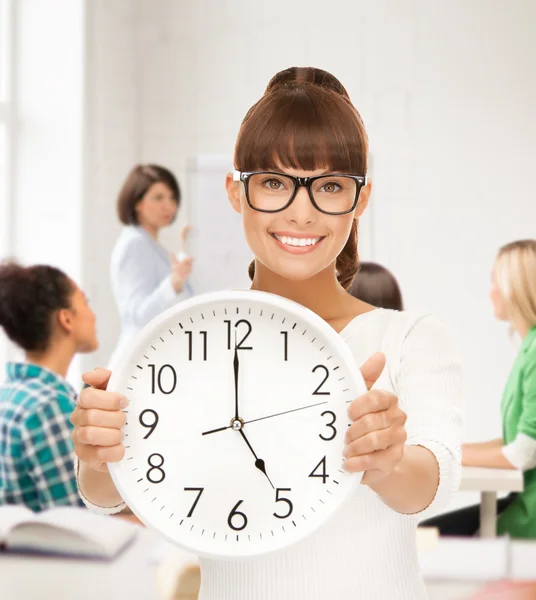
(129,577)
(488,482)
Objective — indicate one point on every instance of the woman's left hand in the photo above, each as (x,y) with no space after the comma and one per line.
(375,440)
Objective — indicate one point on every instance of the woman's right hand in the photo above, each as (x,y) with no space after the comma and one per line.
(98,419)
(180,271)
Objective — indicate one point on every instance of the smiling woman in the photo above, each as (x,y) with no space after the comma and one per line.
(306,122)
(300,188)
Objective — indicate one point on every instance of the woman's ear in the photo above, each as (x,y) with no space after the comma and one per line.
(233,192)
(65,320)
(364,197)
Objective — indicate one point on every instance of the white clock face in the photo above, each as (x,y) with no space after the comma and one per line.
(236,423)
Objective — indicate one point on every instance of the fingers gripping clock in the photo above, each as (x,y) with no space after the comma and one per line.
(235,428)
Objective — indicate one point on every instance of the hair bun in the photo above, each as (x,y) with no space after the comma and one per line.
(296,76)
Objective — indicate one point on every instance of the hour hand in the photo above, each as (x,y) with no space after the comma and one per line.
(259,463)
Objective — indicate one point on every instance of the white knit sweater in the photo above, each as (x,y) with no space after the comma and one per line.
(368,551)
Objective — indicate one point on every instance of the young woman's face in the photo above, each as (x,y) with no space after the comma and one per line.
(80,322)
(273,237)
(497,300)
(157,208)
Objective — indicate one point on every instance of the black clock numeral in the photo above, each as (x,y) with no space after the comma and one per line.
(200,490)
(157,468)
(240,515)
(152,425)
(190,344)
(317,392)
(239,345)
(323,474)
(285,336)
(157,379)
(286,500)
(330,425)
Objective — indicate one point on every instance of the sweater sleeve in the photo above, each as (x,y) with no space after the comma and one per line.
(140,300)
(527,422)
(102,510)
(522,451)
(429,388)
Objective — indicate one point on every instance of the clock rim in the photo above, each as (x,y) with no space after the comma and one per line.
(257,296)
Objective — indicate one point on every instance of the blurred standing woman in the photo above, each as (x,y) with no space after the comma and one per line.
(45,313)
(146,278)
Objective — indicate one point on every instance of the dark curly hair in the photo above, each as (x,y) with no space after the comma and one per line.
(29,297)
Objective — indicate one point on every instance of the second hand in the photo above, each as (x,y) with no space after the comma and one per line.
(285,412)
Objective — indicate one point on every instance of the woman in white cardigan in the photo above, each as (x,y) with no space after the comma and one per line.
(146,278)
(405,431)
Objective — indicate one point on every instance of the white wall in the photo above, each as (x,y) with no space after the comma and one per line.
(45,200)
(113,145)
(47,187)
(470,131)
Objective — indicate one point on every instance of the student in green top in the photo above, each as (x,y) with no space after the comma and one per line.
(47,315)
(513,295)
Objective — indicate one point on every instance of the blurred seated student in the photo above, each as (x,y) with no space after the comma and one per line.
(48,317)
(513,296)
(376,285)
(146,278)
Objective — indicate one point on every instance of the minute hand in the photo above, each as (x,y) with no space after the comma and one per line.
(235,369)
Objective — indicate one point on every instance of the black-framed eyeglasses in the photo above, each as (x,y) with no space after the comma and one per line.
(331,194)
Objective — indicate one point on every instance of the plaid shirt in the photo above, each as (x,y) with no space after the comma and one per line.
(36,450)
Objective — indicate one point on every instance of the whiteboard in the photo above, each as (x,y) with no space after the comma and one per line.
(216,240)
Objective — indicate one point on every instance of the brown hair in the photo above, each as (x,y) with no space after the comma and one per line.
(305,120)
(377,286)
(29,298)
(136,185)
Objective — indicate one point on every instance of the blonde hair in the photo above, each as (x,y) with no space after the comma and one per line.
(515,274)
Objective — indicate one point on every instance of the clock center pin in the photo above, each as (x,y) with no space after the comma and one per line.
(237,424)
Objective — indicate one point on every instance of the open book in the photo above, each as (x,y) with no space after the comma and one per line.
(65,531)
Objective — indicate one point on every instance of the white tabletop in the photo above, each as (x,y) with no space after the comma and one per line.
(482,479)
(130,576)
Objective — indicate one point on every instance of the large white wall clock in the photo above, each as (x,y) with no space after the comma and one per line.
(236,423)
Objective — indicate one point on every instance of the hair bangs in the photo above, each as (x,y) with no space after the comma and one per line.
(303,128)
